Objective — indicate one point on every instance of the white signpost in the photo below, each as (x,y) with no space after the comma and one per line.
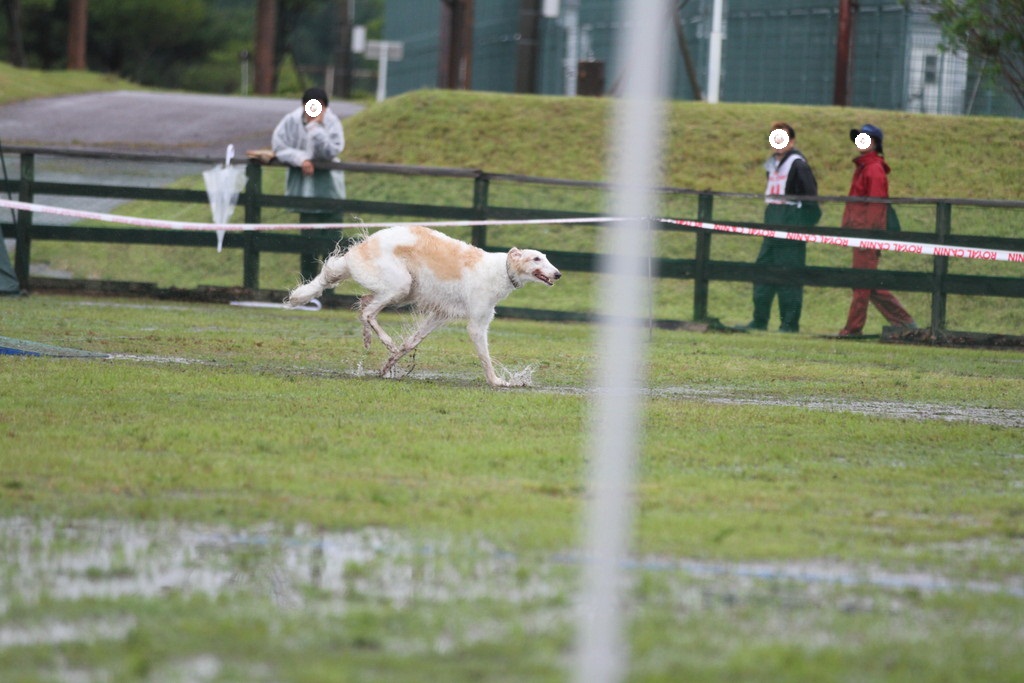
(383,51)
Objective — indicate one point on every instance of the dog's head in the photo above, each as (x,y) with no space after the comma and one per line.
(529,265)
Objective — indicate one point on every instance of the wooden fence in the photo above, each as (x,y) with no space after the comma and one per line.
(940,283)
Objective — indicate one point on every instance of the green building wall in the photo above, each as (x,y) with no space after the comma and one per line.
(774,51)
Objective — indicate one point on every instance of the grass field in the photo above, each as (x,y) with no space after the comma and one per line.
(233,496)
(230,494)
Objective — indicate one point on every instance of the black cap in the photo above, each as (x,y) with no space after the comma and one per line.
(317,94)
(874,131)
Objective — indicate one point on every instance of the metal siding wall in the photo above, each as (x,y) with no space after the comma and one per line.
(879,56)
(495,44)
(774,51)
(600,16)
(418,24)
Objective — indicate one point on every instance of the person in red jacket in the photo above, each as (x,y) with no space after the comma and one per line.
(870,179)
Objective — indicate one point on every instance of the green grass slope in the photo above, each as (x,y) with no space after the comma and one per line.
(719,147)
(24,84)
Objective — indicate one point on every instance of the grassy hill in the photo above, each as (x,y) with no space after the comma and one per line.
(720,147)
(24,84)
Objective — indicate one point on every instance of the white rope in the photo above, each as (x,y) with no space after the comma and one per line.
(252,227)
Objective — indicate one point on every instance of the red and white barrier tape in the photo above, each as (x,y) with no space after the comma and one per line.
(862,242)
(853,242)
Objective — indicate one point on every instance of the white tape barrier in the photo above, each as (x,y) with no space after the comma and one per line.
(252,227)
(313,305)
(862,242)
(853,242)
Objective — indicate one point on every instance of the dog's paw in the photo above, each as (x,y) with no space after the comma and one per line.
(514,378)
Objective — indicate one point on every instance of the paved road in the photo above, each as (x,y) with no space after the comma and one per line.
(166,123)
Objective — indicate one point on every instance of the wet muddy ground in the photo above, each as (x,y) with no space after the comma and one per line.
(47,563)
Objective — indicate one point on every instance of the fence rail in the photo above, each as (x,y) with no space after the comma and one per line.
(701,268)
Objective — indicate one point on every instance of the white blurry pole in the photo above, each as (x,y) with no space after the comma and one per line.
(382,77)
(571,65)
(601,652)
(383,51)
(715,53)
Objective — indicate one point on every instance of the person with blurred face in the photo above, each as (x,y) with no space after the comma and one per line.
(870,179)
(788,176)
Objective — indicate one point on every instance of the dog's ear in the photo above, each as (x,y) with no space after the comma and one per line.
(515,253)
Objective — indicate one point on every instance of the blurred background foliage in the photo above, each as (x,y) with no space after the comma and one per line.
(185,44)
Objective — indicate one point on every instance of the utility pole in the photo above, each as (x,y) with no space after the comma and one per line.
(715,53)
(844,49)
(455,65)
(342,62)
(78,23)
(526,64)
(266,35)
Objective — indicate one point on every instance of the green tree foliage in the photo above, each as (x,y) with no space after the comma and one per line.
(186,44)
(151,41)
(990,30)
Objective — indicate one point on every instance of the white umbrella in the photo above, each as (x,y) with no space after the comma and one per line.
(223,185)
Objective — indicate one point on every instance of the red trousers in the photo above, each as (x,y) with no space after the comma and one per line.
(887,304)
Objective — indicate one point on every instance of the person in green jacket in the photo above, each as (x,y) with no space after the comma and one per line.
(788,175)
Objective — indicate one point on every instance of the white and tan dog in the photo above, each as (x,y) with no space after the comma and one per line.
(443,278)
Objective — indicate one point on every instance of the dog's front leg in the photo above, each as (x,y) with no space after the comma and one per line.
(478,335)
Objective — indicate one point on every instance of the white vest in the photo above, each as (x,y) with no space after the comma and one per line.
(778,175)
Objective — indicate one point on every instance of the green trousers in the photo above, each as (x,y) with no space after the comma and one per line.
(783,253)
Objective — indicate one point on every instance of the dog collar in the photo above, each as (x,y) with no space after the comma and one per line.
(516,283)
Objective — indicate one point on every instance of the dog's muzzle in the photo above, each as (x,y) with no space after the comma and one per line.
(545,279)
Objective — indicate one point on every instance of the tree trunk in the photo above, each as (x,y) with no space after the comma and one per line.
(16,43)
(266,34)
(78,22)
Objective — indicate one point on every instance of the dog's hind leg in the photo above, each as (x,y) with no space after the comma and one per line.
(428,324)
(397,291)
(371,305)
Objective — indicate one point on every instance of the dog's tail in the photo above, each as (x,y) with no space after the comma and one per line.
(334,271)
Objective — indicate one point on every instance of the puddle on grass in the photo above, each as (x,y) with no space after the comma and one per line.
(56,562)
(1000,417)
(112,559)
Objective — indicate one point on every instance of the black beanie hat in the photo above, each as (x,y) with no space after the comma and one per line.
(315,94)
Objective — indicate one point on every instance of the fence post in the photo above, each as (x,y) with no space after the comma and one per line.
(702,255)
(940,267)
(481,186)
(250,248)
(23,231)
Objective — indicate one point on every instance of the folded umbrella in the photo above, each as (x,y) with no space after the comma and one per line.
(223,185)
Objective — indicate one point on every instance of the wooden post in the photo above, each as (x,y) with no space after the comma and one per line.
(455,64)
(23,232)
(844,46)
(481,186)
(250,246)
(702,256)
(526,62)
(943,227)
(266,37)
(78,24)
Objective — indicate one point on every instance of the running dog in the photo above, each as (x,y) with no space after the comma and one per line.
(443,278)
